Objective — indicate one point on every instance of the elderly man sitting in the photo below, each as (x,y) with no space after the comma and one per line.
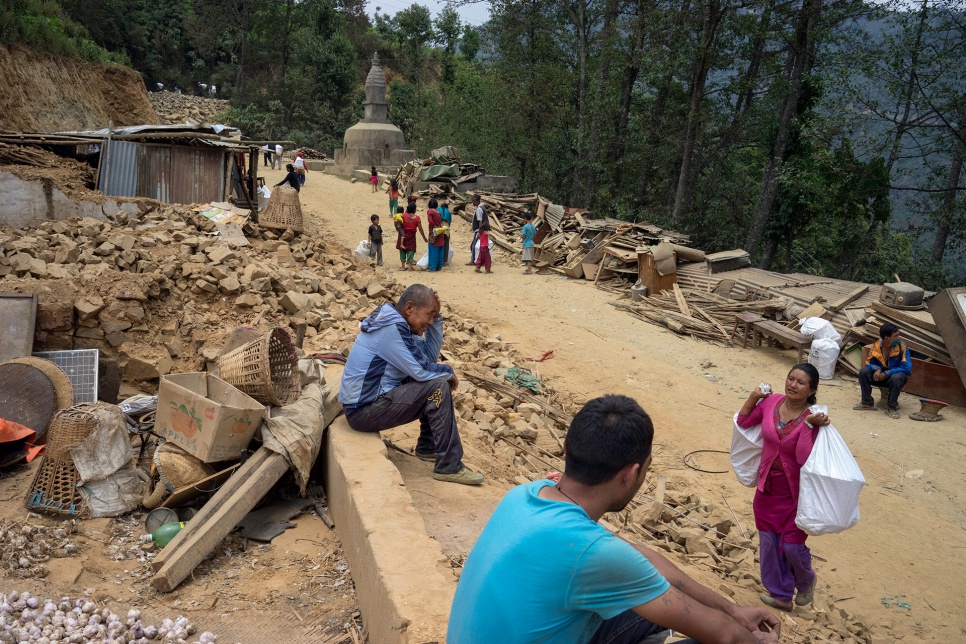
(393,377)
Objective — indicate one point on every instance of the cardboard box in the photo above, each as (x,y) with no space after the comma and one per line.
(206,416)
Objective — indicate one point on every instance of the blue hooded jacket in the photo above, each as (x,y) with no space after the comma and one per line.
(387,354)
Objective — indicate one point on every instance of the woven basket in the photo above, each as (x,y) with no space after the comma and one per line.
(54,488)
(176,468)
(266,369)
(31,391)
(284,211)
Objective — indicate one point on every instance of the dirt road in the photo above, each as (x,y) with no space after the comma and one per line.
(909,543)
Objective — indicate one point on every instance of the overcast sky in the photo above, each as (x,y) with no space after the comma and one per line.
(475,14)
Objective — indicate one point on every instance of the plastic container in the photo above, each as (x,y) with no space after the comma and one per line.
(163,535)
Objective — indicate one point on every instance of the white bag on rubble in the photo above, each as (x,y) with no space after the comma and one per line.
(362,250)
(818,328)
(822,355)
(828,496)
(746,453)
(423,262)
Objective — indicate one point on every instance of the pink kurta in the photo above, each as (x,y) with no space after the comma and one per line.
(782,458)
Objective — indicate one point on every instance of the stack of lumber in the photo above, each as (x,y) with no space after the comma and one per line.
(918,330)
(703,316)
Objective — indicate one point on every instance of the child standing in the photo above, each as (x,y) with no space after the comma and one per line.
(375,240)
(374,178)
(528,232)
(447,218)
(436,237)
(483,256)
(393,191)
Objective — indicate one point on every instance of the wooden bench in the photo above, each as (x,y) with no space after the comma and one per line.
(775,332)
(745,320)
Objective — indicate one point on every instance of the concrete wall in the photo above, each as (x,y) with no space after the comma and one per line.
(30,203)
(403,581)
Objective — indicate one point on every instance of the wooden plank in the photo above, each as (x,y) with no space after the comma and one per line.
(906,317)
(231,509)
(682,303)
(842,302)
(814,310)
(211,507)
(184,494)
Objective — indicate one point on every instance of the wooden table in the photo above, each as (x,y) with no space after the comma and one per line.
(775,332)
(745,320)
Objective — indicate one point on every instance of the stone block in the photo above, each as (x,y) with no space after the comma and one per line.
(54,315)
(229,285)
(294,302)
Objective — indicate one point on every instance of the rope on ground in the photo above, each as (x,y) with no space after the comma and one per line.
(705,451)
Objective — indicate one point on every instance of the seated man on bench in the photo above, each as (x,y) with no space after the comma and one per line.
(393,376)
(888,366)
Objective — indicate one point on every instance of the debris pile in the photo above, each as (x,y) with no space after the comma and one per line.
(74,178)
(157,291)
(311,153)
(443,165)
(173,108)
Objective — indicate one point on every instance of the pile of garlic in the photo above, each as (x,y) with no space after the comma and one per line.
(25,549)
(25,618)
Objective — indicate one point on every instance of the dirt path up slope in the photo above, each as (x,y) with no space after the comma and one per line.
(906,550)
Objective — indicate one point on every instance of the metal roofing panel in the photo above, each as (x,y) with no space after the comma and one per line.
(154,172)
(119,169)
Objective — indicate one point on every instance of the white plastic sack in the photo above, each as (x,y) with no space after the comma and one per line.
(362,250)
(477,245)
(818,328)
(451,253)
(822,355)
(746,453)
(423,262)
(828,497)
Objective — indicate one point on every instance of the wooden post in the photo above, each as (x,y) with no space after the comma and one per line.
(106,156)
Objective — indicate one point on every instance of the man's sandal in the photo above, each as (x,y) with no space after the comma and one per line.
(864,407)
(892,413)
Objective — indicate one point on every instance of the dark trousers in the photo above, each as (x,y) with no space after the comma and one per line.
(476,236)
(631,628)
(894,383)
(432,403)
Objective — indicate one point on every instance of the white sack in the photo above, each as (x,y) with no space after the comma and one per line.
(746,453)
(423,262)
(362,250)
(119,493)
(822,355)
(818,328)
(828,497)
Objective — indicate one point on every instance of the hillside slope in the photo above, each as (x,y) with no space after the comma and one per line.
(47,93)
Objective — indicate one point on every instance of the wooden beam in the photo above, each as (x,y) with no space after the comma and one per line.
(842,302)
(682,303)
(907,317)
(228,510)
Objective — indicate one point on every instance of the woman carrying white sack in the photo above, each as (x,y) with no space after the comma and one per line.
(788,431)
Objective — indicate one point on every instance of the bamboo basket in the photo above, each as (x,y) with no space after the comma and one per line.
(266,369)
(284,211)
(175,468)
(54,488)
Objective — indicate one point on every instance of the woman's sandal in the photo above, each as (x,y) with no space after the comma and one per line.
(768,600)
(804,598)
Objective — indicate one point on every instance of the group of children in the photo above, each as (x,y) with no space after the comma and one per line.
(439,219)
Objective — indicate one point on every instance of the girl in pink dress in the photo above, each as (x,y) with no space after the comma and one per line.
(788,431)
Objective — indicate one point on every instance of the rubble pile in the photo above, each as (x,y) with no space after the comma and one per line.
(173,108)
(311,153)
(157,291)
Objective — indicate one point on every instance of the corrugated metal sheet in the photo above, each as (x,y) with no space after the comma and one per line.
(197,175)
(168,173)
(119,167)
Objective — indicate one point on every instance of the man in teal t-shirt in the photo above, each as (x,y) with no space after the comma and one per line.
(544,570)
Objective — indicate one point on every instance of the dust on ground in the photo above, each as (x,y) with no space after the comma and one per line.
(907,550)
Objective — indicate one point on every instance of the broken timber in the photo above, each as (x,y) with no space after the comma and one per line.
(225,510)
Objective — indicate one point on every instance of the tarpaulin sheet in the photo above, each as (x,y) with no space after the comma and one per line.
(436,171)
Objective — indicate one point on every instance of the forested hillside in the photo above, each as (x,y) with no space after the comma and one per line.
(821,135)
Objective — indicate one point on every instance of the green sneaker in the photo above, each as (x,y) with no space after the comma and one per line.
(430,457)
(465,476)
